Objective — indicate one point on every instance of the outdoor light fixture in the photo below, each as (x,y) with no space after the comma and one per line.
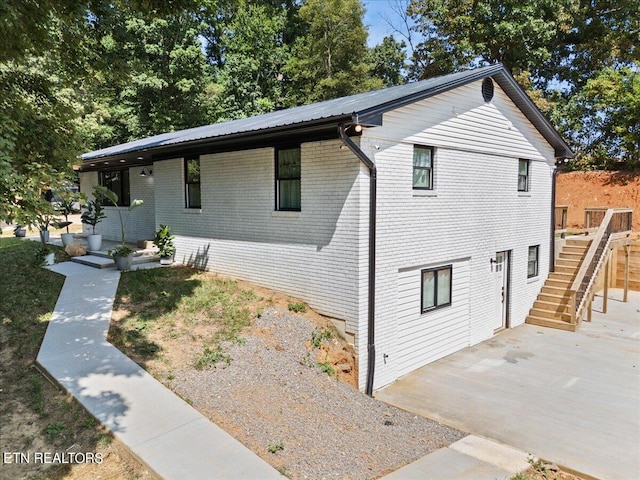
(146,171)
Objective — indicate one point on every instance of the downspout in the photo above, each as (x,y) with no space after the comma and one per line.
(371,348)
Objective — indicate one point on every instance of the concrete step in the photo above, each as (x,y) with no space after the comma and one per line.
(546,322)
(101,260)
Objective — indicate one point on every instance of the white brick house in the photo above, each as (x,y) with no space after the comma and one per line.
(453,248)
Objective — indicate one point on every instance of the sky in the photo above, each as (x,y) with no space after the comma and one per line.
(374,19)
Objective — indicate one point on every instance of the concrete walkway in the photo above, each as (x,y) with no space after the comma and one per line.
(164,432)
(570,398)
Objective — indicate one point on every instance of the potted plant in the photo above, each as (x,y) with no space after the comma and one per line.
(164,242)
(122,255)
(66,205)
(93,215)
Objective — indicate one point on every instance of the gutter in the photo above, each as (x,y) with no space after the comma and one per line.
(371,348)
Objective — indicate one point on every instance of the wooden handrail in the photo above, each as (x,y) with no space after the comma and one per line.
(600,243)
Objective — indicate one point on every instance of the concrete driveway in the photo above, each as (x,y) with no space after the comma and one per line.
(570,398)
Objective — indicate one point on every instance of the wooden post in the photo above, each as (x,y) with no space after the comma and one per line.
(589,309)
(605,296)
(627,255)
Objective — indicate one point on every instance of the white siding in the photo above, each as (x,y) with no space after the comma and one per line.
(474,211)
(425,337)
(315,254)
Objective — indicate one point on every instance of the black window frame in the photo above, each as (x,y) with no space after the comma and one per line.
(435,305)
(526,176)
(429,169)
(535,262)
(124,190)
(278,179)
(187,183)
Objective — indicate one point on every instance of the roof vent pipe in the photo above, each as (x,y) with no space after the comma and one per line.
(371,348)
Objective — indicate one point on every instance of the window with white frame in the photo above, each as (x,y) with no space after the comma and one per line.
(523,175)
(422,167)
(288,179)
(192,182)
(532,262)
(436,288)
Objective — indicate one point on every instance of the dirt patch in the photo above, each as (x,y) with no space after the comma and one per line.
(598,189)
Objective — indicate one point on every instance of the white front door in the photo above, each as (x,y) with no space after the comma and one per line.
(501,289)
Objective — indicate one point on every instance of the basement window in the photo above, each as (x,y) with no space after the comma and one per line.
(436,288)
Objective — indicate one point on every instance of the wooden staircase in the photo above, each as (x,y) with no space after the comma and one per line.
(552,308)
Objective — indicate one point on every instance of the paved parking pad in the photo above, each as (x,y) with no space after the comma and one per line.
(570,398)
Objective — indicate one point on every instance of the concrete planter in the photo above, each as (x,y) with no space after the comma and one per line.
(67,238)
(123,262)
(95,242)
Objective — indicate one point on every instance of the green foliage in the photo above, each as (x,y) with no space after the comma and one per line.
(276,447)
(327,368)
(37,397)
(319,336)
(603,120)
(297,307)
(93,214)
(329,60)
(210,357)
(54,429)
(387,61)
(578,60)
(164,241)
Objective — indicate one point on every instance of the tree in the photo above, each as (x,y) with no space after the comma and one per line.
(251,80)
(329,60)
(569,52)
(387,61)
(603,119)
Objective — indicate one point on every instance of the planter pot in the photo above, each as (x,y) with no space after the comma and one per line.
(95,242)
(166,259)
(123,263)
(20,232)
(49,258)
(44,236)
(67,238)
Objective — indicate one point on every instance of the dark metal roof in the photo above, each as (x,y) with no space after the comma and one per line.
(365,108)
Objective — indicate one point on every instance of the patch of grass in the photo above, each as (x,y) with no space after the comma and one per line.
(179,302)
(327,368)
(37,397)
(276,447)
(54,429)
(210,357)
(297,307)
(319,336)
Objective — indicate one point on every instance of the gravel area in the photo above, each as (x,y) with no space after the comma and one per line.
(274,398)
